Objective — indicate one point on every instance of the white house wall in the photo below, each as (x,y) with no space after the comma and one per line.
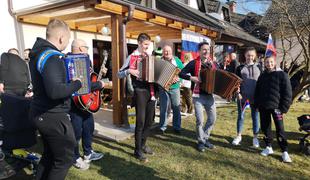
(7,30)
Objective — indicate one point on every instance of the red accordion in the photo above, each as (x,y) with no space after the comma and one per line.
(219,82)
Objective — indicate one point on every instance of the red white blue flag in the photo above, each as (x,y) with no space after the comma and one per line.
(270,50)
(190,41)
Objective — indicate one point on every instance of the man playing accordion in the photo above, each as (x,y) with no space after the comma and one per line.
(201,99)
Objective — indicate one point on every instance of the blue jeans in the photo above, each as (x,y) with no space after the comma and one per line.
(174,96)
(83,126)
(207,102)
(240,120)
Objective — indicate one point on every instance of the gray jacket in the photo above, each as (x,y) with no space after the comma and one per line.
(249,75)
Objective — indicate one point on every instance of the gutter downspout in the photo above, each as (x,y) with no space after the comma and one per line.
(124,54)
(18,29)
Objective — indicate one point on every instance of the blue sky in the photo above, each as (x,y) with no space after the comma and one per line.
(244,6)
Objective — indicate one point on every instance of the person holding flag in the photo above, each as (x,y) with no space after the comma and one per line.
(273,97)
(249,72)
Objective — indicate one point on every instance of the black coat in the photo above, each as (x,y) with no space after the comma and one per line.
(14,74)
(52,93)
(273,91)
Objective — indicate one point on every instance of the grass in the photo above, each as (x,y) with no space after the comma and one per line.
(177,158)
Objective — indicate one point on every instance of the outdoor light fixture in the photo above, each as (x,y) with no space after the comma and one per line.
(157,39)
(105,30)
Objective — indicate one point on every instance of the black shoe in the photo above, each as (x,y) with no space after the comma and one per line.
(141,158)
(176,131)
(160,131)
(148,150)
(201,147)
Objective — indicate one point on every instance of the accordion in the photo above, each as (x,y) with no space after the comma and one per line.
(156,71)
(77,66)
(219,82)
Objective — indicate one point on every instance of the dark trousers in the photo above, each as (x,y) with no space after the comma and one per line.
(59,142)
(15,91)
(265,117)
(1,129)
(83,126)
(145,112)
(186,101)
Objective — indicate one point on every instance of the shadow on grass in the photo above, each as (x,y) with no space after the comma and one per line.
(247,166)
(108,144)
(183,139)
(114,167)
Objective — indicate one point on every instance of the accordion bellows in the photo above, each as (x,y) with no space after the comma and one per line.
(219,82)
(157,71)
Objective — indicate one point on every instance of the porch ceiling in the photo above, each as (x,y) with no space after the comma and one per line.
(92,15)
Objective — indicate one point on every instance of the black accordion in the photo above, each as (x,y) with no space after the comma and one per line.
(219,82)
(157,71)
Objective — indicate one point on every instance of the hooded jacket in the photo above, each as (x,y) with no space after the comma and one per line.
(51,91)
(273,91)
(249,74)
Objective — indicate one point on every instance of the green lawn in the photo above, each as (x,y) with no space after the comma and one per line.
(177,158)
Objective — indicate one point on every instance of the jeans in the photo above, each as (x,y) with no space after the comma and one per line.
(164,97)
(83,126)
(207,102)
(240,120)
(265,119)
(59,142)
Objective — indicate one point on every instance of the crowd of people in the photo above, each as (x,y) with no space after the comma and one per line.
(61,124)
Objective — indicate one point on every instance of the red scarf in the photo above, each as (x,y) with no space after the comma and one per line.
(196,90)
(135,59)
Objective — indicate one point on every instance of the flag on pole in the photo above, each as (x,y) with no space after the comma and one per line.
(270,49)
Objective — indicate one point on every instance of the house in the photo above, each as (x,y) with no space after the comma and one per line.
(213,12)
(104,24)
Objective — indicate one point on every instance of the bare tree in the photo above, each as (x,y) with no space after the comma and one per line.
(291,24)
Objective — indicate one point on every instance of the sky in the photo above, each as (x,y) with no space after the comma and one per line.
(244,6)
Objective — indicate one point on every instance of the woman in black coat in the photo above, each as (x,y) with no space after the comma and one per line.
(273,97)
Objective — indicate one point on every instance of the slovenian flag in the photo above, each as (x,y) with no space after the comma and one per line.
(190,41)
(270,50)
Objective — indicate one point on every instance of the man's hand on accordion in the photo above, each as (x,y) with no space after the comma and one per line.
(134,72)
(175,79)
(195,79)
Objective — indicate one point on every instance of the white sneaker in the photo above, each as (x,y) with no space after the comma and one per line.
(81,164)
(286,158)
(237,140)
(255,142)
(267,151)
